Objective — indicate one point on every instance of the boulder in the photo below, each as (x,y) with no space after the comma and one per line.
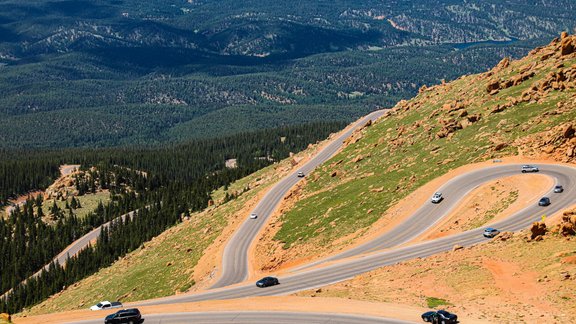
(566,46)
(563,35)
(492,86)
(6,317)
(537,229)
(568,131)
(500,146)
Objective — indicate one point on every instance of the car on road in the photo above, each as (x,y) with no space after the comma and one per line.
(130,315)
(437,197)
(267,282)
(490,232)
(300,174)
(253,216)
(440,316)
(544,201)
(529,168)
(106,305)
(558,189)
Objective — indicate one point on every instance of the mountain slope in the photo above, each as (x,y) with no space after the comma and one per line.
(475,118)
(522,108)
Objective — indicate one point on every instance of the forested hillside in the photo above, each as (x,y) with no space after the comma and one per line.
(162,184)
(123,72)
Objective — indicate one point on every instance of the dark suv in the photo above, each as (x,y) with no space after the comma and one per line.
(440,316)
(266,282)
(131,315)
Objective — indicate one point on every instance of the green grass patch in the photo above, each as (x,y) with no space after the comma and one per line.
(433,302)
(88,202)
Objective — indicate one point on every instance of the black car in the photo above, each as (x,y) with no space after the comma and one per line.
(440,316)
(267,282)
(544,201)
(131,315)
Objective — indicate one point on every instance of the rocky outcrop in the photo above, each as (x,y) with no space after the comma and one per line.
(538,229)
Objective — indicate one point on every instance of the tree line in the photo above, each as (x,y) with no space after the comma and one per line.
(171,180)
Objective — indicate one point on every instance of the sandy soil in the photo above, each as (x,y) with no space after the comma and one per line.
(510,281)
(289,303)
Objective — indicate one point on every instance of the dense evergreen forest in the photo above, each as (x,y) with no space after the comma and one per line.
(162,184)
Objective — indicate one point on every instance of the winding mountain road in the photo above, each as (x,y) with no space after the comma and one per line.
(390,248)
(235,260)
(348,268)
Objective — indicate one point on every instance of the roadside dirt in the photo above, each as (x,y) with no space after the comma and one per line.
(510,281)
(288,303)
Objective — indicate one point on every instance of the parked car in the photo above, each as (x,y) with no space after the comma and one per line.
(544,201)
(529,168)
(437,197)
(131,315)
(446,317)
(491,232)
(267,282)
(300,174)
(440,316)
(253,216)
(106,305)
(558,189)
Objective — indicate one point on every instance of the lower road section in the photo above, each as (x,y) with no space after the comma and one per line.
(260,318)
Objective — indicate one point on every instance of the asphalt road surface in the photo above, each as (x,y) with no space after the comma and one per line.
(346,269)
(235,260)
(259,317)
(77,246)
(454,191)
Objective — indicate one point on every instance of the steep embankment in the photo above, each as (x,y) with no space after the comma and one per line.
(523,108)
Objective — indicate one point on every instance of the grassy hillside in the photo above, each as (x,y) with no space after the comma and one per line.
(521,107)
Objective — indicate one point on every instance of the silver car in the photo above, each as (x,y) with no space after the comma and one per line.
(491,232)
(436,198)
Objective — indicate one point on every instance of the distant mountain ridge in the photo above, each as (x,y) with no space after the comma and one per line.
(257,28)
(124,72)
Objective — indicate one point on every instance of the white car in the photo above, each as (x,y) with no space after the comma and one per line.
(105,305)
(436,198)
(253,216)
(300,174)
(529,168)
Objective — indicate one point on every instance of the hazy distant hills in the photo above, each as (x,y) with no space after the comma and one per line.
(123,72)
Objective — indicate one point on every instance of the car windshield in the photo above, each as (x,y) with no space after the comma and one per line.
(99,304)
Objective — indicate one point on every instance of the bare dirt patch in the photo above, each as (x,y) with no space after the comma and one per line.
(506,282)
